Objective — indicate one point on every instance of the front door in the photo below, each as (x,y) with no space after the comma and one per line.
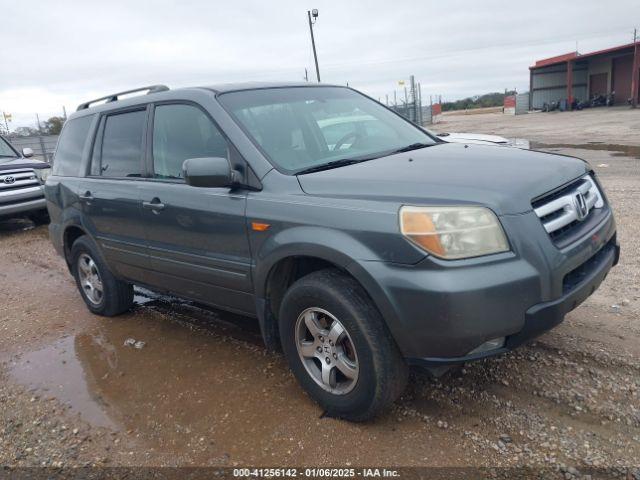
(110,195)
(197,238)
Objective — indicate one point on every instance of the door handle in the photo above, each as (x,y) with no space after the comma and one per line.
(156,205)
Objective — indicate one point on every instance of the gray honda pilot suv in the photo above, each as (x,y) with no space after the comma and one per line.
(362,244)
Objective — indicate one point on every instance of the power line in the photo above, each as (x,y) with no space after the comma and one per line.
(449,52)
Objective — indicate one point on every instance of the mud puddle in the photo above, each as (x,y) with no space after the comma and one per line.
(55,371)
(204,390)
(198,316)
(194,387)
(632,151)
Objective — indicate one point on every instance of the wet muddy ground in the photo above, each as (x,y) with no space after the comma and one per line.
(202,390)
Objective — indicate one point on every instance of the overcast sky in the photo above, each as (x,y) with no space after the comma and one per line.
(56,53)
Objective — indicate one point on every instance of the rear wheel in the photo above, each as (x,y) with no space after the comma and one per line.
(338,346)
(101,291)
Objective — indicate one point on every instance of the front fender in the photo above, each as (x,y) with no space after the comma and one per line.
(319,242)
(330,245)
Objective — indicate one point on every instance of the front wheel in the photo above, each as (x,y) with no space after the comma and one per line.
(338,346)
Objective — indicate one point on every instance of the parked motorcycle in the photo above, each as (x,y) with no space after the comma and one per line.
(611,99)
(598,100)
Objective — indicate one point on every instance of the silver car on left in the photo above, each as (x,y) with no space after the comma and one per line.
(22,181)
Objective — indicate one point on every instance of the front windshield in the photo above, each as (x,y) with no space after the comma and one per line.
(6,152)
(305,127)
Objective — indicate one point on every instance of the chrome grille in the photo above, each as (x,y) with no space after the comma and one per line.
(568,207)
(18,184)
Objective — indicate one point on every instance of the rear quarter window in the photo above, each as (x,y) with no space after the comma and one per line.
(73,138)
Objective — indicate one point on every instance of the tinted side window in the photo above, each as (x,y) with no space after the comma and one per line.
(121,152)
(68,156)
(181,132)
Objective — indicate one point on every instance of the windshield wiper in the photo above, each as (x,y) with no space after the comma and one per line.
(9,156)
(413,146)
(350,161)
(334,164)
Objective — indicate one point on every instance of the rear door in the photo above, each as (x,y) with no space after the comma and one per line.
(197,237)
(110,194)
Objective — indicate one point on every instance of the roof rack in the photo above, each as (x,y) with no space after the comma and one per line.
(114,96)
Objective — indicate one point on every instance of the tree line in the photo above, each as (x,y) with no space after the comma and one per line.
(494,99)
(52,126)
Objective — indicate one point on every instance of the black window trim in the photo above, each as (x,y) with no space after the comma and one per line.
(149,170)
(99,131)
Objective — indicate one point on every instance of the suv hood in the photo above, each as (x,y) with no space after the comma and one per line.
(504,179)
(21,162)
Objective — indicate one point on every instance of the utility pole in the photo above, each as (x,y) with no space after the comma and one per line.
(420,104)
(634,71)
(7,118)
(314,13)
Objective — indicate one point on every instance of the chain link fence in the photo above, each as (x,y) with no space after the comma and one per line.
(43,146)
(409,104)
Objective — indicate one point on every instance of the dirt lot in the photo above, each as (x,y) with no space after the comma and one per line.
(203,391)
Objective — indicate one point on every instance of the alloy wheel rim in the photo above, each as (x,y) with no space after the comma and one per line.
(326,351)
(90,280)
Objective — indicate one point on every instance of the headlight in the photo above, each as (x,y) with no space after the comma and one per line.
(453,232)
(43,174)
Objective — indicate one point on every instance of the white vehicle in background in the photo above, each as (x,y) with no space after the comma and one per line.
(481,139)
(341,133)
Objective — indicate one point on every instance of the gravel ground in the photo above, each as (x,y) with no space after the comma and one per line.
(203,391)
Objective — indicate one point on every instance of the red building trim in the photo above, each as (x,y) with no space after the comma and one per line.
(557,60)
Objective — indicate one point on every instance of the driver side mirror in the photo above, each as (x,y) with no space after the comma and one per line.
(27,152)
(209,172)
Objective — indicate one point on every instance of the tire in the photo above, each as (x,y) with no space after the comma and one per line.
(365,351)
(41,217)
(116,296)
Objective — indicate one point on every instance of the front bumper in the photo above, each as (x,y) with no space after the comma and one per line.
(439,312)
(15,209)
(546,315)
(22,200)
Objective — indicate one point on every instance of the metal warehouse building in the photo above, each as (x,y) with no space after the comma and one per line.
(580,76)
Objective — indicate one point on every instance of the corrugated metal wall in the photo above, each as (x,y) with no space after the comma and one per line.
(622,68)
(522,103)
(549,84)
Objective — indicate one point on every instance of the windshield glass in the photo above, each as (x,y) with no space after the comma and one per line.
(304,127)
(6,152)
